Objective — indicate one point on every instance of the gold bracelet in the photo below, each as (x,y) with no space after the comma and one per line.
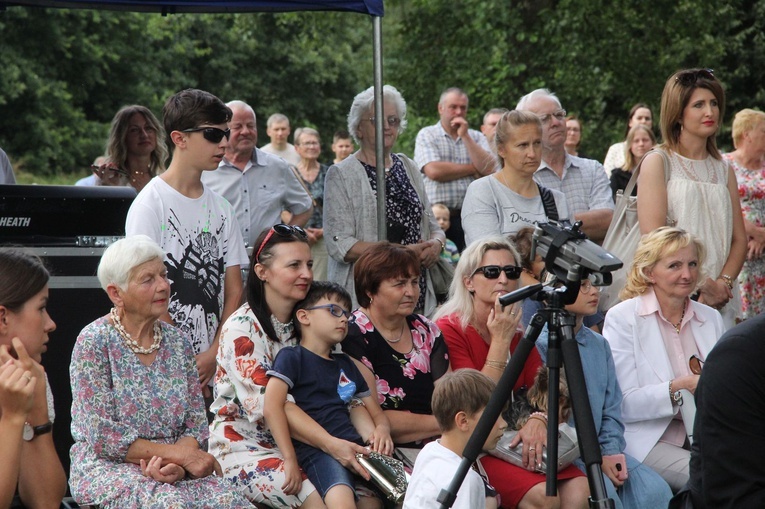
(727,280)
(496,364)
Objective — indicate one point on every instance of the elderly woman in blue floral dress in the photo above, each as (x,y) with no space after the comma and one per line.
(138,416)
(280,276)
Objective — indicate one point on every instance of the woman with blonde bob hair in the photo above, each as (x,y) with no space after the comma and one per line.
(685,183)
(748,163)
(659,337)
(482,334)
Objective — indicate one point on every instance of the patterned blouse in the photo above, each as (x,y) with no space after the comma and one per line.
(403,209)
(403,381)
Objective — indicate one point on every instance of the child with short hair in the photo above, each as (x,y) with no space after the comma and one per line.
(195,226)
(324,384)
(450,253)
(342,145)
(458,402)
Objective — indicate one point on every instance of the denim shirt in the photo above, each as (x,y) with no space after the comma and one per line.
(602,387)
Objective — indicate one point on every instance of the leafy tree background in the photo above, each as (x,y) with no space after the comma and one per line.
(65,73)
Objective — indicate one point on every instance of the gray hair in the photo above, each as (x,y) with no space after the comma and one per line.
(451,90)
(240,105)
(300,131)
(364,102)
(460,299)
(277,117)
(540,92)
(119,259)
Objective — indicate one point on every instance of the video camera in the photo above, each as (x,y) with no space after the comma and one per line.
(571,257)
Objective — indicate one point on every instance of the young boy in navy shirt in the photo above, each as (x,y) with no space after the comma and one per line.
(324,384)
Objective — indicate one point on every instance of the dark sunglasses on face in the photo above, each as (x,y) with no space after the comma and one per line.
(283,230)
(688,78)
(492,271)
(334,310)
(211,134)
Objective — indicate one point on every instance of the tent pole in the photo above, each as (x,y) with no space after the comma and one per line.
(382,226)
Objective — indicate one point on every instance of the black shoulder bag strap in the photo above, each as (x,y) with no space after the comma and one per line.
(548,202)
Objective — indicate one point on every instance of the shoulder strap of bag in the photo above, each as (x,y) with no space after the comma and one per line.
(633,179)
(548,202)
(305,187)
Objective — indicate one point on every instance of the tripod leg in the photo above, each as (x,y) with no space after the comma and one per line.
(585,425)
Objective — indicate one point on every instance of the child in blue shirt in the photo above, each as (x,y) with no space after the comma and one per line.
(323,384)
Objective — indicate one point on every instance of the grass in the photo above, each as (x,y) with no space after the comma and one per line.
(23,177)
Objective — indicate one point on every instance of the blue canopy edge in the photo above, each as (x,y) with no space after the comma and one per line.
(371,7)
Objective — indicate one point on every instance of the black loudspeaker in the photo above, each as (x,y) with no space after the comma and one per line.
(76,299)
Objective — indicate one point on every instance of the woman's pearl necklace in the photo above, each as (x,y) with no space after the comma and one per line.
(131,343)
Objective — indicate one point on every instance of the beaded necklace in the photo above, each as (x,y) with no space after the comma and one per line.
(133,344)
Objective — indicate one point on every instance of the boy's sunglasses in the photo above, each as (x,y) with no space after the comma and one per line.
(212,134)
(283,230)
(492,271)
(334,309)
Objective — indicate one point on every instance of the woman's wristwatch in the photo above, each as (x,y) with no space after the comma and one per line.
(30,432)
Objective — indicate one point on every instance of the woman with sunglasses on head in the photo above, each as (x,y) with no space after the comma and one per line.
(505,202)
(400,352)
(350,199)
(697,191)
(136,150)
(280,276)
(27,453)
(654,333)
(481,334)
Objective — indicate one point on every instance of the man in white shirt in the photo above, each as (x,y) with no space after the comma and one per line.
(278,130)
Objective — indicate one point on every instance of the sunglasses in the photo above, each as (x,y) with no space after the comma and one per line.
(695,364)
(492,271)
(283,230)
(211,134)
(688,78)
(333,309)
(110,173)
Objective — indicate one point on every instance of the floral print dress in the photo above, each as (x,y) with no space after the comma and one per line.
(116,400)
(403,381)
(751,190)
(239,438)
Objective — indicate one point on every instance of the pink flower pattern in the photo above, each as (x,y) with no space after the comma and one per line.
(751,279)
(415,366)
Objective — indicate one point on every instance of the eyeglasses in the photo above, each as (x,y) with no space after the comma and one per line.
(211,134)
(283,230)
(586,286)
(492,271)
(695,364)
(690,77)
(334,310)
(559,115)
(392,120)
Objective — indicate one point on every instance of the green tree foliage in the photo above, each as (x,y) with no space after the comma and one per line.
(598,56)
(65,73)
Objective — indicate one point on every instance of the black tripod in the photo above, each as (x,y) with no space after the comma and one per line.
(562,349)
